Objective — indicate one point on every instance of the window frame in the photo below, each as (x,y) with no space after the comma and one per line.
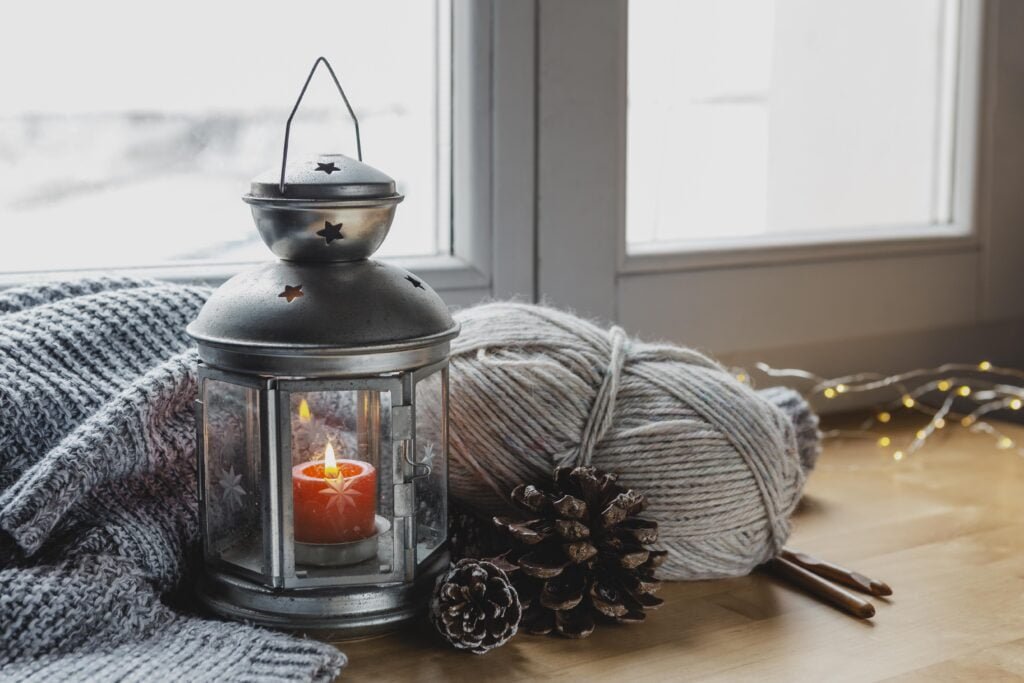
(959,234)
(836,308)
(538,210)
(492,171)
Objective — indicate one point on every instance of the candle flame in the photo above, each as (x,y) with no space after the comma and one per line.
(330,464)
(304,414)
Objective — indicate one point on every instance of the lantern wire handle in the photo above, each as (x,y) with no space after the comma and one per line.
(302,93)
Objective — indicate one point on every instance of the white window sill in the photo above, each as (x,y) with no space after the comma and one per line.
(790,248)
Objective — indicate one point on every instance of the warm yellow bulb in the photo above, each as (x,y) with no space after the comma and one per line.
(830,393)
(1015,404)
(898,455)
(940,423)
(943,385)
(304,413)
(883,417)
(984,366)
(921,434)
(330,464)
(964,391)
(1005,442)
(742,377)
(884,441)
(908,402)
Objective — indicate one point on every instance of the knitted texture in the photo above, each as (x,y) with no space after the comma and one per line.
(97,495)
(722,466)
(97,474)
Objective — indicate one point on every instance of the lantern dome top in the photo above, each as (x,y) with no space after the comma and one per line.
(329,208)
(315,310)
(327,176)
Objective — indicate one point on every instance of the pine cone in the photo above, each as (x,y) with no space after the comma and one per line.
(582,557)
(470,535)
(475,607)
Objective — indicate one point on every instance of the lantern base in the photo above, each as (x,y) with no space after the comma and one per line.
(334,612)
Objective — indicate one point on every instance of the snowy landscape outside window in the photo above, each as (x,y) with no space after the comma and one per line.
(760,122)
(132,148)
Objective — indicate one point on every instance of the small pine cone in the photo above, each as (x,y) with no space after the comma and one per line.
(474,606)
(583,557)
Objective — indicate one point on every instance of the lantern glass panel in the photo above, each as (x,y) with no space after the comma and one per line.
(231,476)
(431,450)
(342,482)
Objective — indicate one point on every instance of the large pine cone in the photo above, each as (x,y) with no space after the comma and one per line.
(474,606)
(582,557)
(470,535)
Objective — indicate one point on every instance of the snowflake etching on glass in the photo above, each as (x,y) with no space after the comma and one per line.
(429,528)
(232,491)
(428,456)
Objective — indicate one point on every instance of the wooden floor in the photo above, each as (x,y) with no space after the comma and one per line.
(945,528)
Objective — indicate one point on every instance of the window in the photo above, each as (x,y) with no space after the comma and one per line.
(129,134)
(807,254)
(786,121)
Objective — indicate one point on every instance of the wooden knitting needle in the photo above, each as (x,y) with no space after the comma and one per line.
(834,572)
(821,588)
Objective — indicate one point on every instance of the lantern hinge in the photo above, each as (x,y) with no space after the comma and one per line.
(401,422)
(405,500)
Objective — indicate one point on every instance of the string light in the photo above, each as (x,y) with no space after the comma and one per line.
(1000,389)
(742,377)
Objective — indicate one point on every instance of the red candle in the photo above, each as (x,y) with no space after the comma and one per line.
(334,501)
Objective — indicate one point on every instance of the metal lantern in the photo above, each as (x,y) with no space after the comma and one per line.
(322,412)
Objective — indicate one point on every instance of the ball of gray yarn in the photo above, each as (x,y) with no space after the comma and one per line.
(722,466)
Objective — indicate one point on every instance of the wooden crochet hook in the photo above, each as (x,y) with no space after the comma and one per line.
(820,588)
(834,572)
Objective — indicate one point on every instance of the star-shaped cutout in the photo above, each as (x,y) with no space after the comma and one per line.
(341,492)
(331,232)
(327,168)
(415,283)
(292,293)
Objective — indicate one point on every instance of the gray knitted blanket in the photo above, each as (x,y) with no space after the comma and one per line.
(98,520)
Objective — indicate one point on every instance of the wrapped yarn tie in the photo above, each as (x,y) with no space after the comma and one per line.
(722,465)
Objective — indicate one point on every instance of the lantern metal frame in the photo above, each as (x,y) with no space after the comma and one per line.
(282,595)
